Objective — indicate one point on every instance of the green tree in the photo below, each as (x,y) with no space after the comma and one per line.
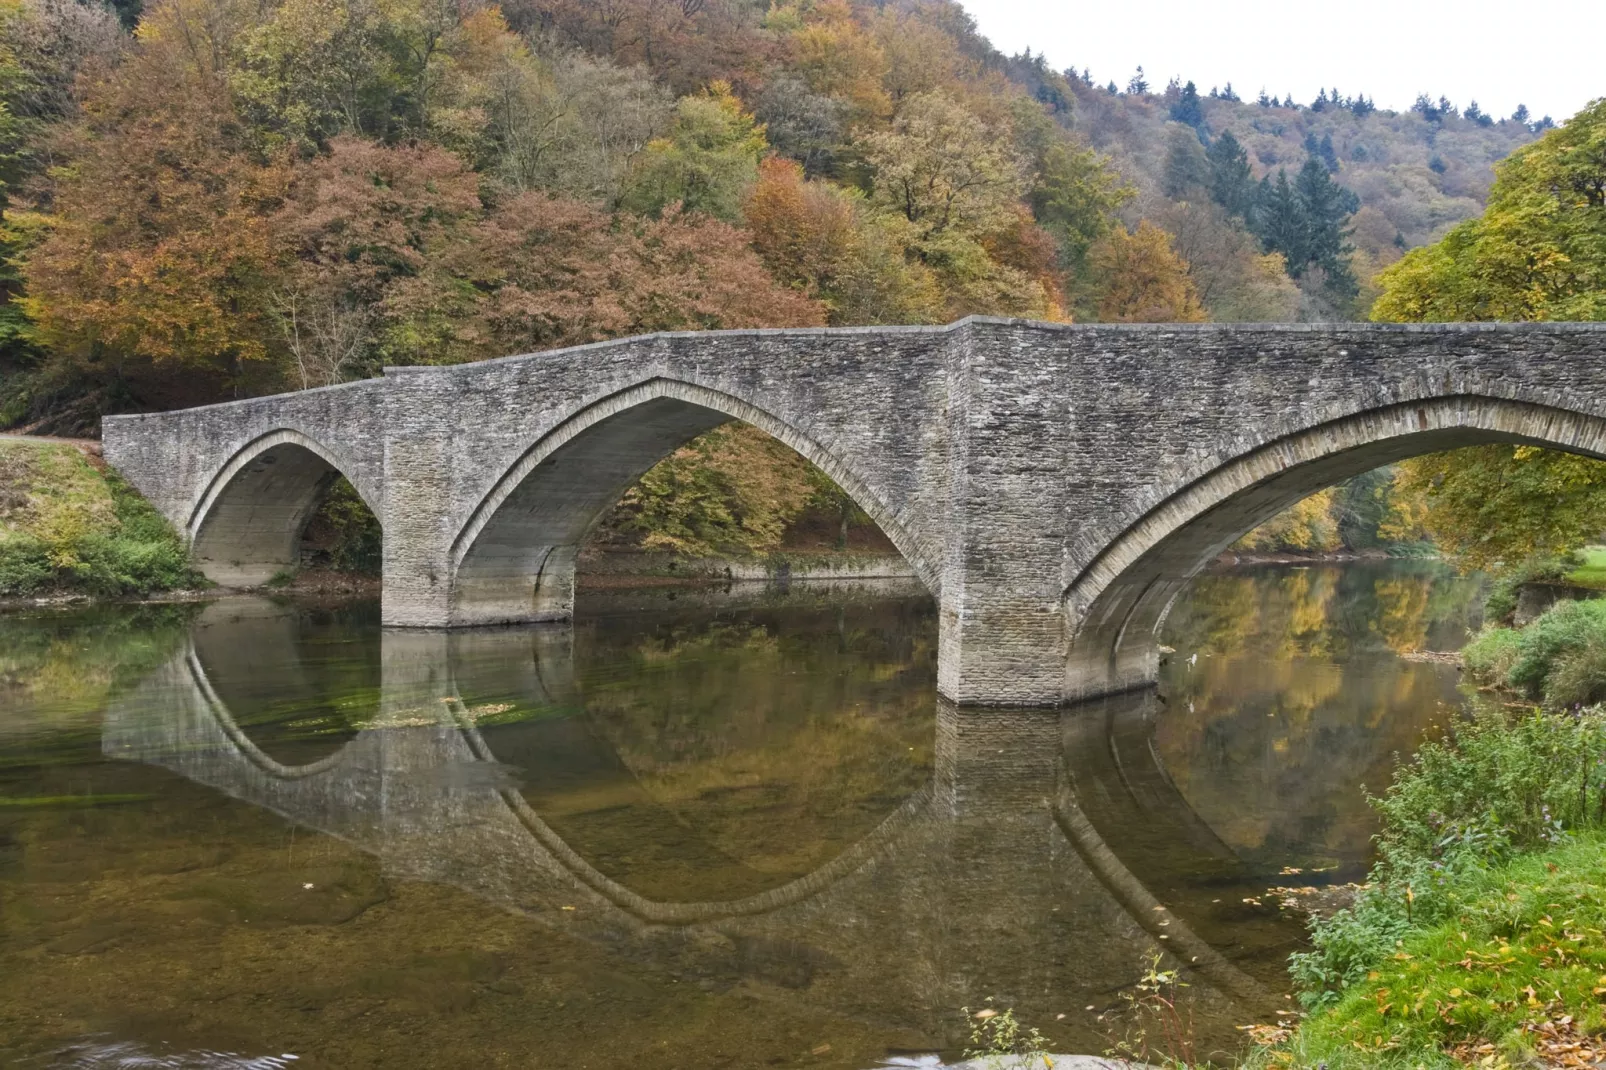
(705,163)
(942,169)
(1187,168)
(1187,109)
(1537,253)
(1495,507)
(1231,184)
(1280,219)
(1326,207)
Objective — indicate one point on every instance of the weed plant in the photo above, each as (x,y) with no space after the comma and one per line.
(998,1041)
(1481,928)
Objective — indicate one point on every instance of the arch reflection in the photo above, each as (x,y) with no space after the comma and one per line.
(979,881)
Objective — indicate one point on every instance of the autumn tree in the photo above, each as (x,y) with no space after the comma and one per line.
(836,56)
(175,279)
(800,123)
(704,163)
(366,231)
(1236,280)
(1538,252)
(828,243)
(570,124)
(957,185)
(1142,278)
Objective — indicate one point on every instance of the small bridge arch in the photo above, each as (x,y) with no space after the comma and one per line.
(245,527)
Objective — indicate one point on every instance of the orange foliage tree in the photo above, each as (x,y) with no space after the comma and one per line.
(1142,279)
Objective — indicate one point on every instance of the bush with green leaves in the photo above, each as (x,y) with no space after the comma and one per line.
(1559,658)
(1492,789)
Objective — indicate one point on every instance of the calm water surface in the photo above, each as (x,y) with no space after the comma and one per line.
(693,830)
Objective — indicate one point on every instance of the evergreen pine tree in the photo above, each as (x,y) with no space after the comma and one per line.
(1265,100)
(1187,170)
(1280,218)
(1328,154)
(1187,109)
(1138,85)
(1520,115)
(1231,184)
(1325,207)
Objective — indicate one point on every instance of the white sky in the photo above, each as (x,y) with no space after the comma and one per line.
(1548,54)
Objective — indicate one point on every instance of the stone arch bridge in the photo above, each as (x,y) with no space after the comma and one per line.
(1054,486)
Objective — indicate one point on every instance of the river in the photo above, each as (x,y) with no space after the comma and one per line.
(696,829)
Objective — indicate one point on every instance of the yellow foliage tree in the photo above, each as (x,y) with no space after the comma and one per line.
(1142,279)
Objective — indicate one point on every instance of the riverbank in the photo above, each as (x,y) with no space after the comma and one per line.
(70,526)
(1477,938)
(1558,658)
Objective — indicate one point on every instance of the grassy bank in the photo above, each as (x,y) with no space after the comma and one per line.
(1479,939)
(68,526)
(1558,659)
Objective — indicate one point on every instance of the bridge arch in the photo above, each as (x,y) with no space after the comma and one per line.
(513,559)
(1114,607)
(246,525)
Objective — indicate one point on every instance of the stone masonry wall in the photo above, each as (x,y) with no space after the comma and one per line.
(1003,457)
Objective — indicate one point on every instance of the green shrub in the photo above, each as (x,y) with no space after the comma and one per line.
(25,566)
(1490,790)
(1579,676)
(1562,631)
(1490,655)
(70,527)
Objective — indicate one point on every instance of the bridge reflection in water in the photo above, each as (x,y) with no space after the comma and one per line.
(993,879)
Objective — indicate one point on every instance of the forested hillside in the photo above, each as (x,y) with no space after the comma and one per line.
(1199,158)
(208,199)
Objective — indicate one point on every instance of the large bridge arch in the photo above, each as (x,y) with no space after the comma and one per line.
(1115,606)
(245,527)
(513,559)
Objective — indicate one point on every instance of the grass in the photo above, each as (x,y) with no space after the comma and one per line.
(67,526)
(1591,570)
(1481,937)
(1524,949)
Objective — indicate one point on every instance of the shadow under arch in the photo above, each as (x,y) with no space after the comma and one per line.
(1116,605)
(246,526)
(513,560)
